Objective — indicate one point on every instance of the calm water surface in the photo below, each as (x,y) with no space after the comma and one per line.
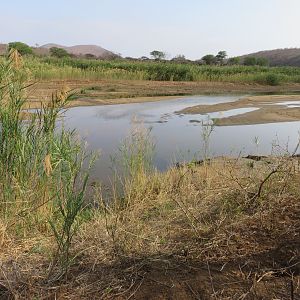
(177,137)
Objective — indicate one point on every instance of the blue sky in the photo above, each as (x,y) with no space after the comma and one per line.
(134,28)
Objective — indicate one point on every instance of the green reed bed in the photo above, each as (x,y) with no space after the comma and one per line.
(70,68)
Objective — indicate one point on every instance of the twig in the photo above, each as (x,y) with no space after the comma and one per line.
(292,289)
(133,293)
(211,280)
(193,292)
(276,170)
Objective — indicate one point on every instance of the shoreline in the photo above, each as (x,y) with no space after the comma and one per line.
(268,110)
(110,92)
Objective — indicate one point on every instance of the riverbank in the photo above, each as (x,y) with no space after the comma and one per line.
(219,230)
(267,109)
(106,92)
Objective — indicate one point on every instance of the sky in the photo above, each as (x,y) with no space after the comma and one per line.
(136,27)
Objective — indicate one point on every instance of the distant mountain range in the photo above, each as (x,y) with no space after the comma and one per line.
(81,50)
(3,48)
(279,57)
(78,50)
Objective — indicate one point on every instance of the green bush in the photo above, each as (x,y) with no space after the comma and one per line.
(22,48)
(58,52)
(272,79)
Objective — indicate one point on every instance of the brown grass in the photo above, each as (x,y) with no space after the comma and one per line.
(196,231)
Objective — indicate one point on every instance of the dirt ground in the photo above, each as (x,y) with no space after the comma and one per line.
(107,92)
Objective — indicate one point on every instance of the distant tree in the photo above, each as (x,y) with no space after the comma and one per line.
(58,52)
(199,62)
(130,58)
(253,61)
(209,59)
(179,58)
(111,56)
(22,48)
(234,61)
(158,54)
(262,61)
(250,61)
(221,56)
(144,58)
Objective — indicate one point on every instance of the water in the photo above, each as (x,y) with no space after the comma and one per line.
(290,104)
(177,137)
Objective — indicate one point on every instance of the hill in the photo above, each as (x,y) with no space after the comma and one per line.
(81,50)
(279,57)
(3,48)
(77,50)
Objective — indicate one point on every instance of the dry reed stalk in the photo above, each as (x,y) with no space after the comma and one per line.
(48,165)
(16,58)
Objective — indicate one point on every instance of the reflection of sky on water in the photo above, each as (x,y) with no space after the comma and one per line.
(177,137)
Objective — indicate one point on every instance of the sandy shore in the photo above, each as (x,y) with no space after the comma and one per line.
(268,110)
(107,92)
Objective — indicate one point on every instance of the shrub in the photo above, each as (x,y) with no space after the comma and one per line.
(269,79)
(58,52)
(22,48)
(272,79)
(250,61)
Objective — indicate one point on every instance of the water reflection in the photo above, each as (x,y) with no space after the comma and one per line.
(177,137)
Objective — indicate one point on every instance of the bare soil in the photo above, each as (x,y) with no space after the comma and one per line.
(107,92)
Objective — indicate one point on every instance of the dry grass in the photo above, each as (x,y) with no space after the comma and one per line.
(223,229)
(194,231)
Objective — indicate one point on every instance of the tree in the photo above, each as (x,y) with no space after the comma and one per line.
(209,59)
(221,56)
(234,61)
(22,48)
(144,58)
(261,61)
(58,52)
(253,61)
(250,61)
(179,58)
(158,54)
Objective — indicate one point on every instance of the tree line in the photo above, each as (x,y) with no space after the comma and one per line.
(221,58)
(210,59)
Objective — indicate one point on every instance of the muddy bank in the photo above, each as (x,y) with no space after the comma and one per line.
(269,109)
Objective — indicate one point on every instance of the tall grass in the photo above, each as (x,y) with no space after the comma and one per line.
(40,165)
(84,69)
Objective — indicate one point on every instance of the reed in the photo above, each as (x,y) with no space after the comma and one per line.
(40,164)
(86,69)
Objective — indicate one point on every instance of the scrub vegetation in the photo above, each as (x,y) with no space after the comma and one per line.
(60,66)
(231,224)
(70,68)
